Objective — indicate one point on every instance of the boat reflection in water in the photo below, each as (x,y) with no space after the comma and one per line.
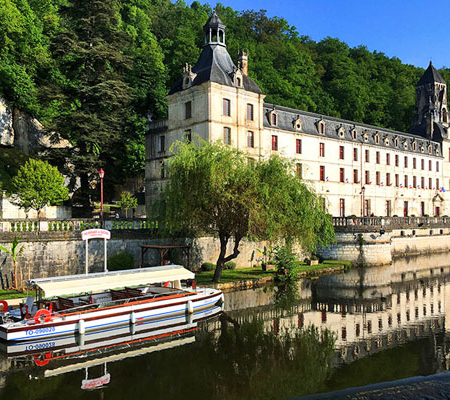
(71,353)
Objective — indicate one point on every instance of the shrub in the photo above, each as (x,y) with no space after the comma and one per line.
(230,265)
(122,260)
(286,263)
(207,266)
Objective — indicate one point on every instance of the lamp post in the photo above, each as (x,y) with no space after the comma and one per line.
(101,173)
(363,189)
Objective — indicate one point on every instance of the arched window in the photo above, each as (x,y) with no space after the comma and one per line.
(273,120)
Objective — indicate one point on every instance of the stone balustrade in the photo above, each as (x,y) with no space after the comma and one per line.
(388,223)
(74,225)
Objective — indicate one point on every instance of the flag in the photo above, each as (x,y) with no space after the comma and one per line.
(326,178)
(382,184)
(443,189)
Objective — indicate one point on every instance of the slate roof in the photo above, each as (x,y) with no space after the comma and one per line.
(214,22)
(216,65)
(431,75)
(342,129)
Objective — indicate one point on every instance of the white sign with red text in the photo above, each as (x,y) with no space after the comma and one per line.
(95,383)
(95,234)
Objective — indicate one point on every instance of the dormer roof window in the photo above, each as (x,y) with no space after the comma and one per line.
(321,127)
(188,76)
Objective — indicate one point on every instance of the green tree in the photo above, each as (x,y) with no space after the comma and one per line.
(37,185)
(215,189)
(89,53)
(14,252)
(127,201)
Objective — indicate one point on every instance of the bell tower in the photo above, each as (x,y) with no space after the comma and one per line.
(431,105)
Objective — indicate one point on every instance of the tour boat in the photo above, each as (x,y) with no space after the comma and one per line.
(82,304)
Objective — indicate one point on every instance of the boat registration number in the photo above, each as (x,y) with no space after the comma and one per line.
(40,331)
(39,346)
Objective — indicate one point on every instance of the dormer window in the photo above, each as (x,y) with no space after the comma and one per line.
(414,145)
(354,134)
(396,141)
(238,82)
(237,77)
(188,76)
(377,138)
(386,141)
(321,127)
(437,150)
(405,145)
(297,123)
(366,137)
(273,118)
(444,116)
(341,132)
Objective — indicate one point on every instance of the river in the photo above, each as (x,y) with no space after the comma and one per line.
(363,327)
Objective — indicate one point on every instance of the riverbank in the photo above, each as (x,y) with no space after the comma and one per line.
(248,278)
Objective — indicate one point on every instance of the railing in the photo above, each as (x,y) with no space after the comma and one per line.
(161,124)
(390,222)
(74,225)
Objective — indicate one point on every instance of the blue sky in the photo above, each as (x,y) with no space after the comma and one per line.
(413,30)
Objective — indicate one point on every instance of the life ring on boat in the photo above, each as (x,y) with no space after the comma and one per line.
(42,359)
(42,312)
(166,284)
(3,305)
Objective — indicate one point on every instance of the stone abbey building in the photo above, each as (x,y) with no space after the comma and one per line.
(359,169)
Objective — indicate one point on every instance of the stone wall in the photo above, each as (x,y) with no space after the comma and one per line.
(51,256)
(380,247)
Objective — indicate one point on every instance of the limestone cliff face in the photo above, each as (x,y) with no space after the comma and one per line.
(23,132)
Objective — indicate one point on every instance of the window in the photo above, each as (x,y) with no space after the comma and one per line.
(366,210)
(250,139)
(322,149)
(406,181)
(227,135)
(396,160)
(274,142)
(355,176)
(341,152)
(422,164)
(422,183)
(341,175)
(406,162)
(414,182)
(388,159)
(388,208)
(163,170)
(377,139)
(298,146)
(437,183)
(299,170)
(377,157)
(250,112)
(437,166)
(430,167)
(388,179)
(377,178)
(273,119)
(367,156)
(430,183)
(188,135)
(342,207)
(322,128)
(188,109)
(226,108)
(414,163)
(322,172)
(355,154)
(397,180)
(367,176)
(162,144)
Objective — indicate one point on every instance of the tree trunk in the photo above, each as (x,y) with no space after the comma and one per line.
(15,274)
(85,191)
(222,259)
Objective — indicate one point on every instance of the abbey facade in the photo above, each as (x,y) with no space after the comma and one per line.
(358,169)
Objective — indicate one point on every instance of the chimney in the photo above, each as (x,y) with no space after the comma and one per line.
(243,62)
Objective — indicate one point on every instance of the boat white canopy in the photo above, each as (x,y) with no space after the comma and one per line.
(97,282)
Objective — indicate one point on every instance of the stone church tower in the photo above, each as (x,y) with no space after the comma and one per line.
(431,117)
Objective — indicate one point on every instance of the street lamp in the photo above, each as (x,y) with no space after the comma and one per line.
(101,173)
(363,189)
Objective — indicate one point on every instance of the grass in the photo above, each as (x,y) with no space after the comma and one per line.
(232,275)
(13,294)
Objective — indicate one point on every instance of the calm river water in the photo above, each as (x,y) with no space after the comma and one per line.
(359,328)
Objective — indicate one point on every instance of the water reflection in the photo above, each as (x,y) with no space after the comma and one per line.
(365,326)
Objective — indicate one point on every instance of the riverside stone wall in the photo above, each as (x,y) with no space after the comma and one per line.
(380,247)
(47,255)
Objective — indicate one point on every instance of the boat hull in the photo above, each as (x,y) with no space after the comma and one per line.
(132,313)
